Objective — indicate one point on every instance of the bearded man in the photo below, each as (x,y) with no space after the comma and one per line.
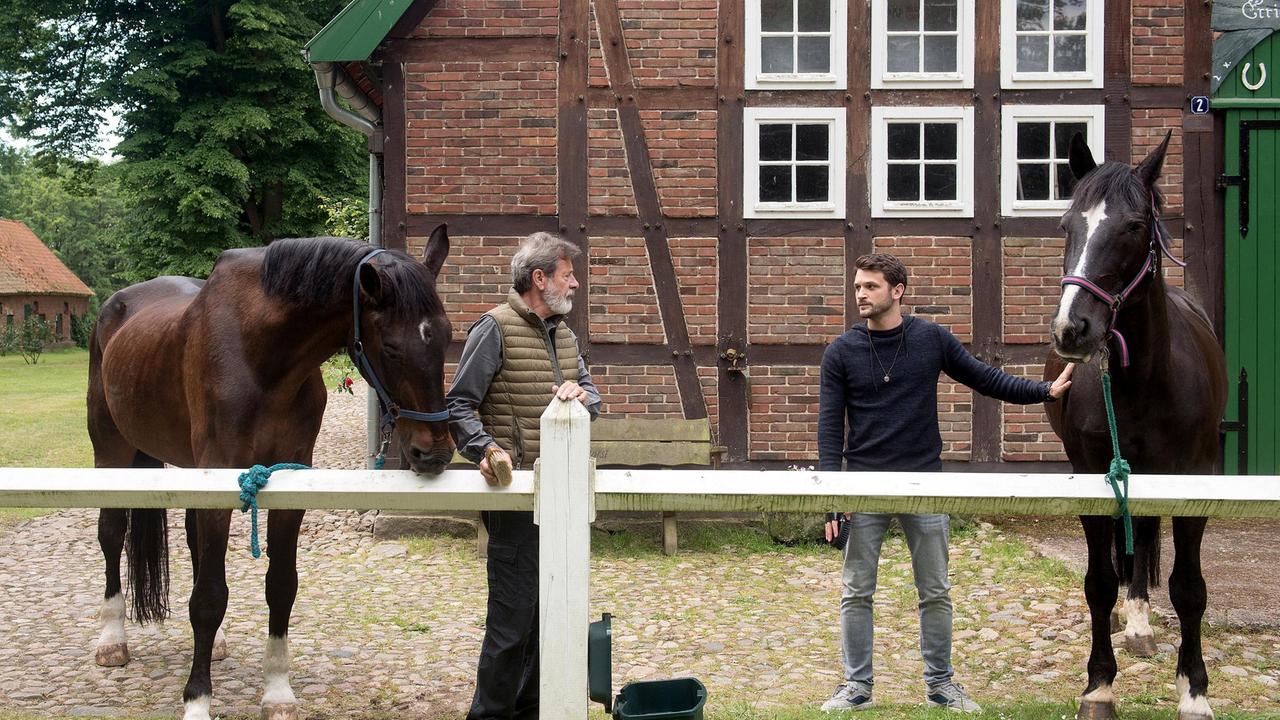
(518,356)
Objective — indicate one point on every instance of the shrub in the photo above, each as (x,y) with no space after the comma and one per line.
(34,336)
(81,328)
(8,340)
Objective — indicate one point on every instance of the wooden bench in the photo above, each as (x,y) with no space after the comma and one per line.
(638,442)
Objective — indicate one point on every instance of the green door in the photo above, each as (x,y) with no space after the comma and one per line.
(1252,234)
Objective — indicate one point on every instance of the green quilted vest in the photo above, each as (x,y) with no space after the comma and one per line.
(512,409)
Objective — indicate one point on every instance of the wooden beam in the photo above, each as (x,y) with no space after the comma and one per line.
(1204,244)
(1116,80)
(571,150)
(673,98)
(421,224)
(479,49)
(732,281)
(394,158)
(858,230)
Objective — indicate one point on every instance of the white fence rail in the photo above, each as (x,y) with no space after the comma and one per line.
(567,493)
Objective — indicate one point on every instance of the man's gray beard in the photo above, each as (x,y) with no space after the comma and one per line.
(559,304)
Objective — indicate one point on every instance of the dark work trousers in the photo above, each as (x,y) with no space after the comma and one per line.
(507,678)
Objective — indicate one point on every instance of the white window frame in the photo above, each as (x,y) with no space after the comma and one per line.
(882,78)
(1010,78)
(752,119)
(881,206)
(1092,115)
(837,79)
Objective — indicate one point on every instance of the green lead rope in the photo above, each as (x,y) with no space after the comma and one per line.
(1119,472)
(251,481)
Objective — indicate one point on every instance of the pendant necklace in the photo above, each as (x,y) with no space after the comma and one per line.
(901,341)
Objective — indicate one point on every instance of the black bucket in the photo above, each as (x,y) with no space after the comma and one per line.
(679,699)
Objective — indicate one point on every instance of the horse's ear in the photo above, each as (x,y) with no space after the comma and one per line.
(1080,157)
(371,283)
(437,249)
(1149,169)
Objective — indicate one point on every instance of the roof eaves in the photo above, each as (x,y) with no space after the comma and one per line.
(355,32)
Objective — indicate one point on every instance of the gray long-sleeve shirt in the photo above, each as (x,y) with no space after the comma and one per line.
(481,360)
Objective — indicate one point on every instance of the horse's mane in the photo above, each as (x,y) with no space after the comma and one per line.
(315,270)
(1110,180)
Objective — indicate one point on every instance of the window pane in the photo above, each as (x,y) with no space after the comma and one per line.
(1033,182)
(815,15)
(940,53)
(1033,14)
(812,142)
(904,15)
(811,183)
(1069,14)
(775,142)
(1033,53)
(775,183)
(939,182)
(775,15)
(1066,181)
(1068,53)
(815,55)
(904,141)
(904,53)
(939,14)
(776,55)
(904,182)
(1062,133)
(1033,140)
(940,141)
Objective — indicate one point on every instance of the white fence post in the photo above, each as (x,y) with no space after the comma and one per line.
(562,501)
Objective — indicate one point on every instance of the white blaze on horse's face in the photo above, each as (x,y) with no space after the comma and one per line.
(422,329)
(1093,218)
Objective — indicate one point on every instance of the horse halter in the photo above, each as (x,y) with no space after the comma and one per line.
(1159,244)
(390,411)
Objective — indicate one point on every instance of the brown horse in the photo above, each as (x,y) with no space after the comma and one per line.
(1169,386)
(225,373)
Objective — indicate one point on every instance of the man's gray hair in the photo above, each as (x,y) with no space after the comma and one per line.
(540,251)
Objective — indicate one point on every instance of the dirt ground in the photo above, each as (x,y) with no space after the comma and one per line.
(1240,560)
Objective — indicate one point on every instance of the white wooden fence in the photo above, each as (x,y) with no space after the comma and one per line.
(566,491)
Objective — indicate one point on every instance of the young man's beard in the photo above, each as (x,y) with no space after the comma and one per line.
(559,304)
(876,310)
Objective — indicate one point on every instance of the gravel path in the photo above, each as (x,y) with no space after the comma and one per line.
(392,629)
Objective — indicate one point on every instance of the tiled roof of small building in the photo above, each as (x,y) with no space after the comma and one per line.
(28,267)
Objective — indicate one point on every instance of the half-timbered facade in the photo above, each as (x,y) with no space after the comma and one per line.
(722,162)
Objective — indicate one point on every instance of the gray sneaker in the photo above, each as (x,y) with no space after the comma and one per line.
(850,696)
(951,696)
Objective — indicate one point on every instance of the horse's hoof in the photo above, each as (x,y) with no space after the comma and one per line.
(280,711)
(1140,645)
(113,655)
(219,650)
(1093,710)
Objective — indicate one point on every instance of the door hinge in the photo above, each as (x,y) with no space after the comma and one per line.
(1224,180)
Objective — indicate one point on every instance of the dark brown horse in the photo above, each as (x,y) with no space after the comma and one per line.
(225,373)
(1169,398)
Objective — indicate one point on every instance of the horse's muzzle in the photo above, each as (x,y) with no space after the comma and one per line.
(427,462)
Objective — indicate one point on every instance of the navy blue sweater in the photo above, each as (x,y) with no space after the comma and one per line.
(894,425)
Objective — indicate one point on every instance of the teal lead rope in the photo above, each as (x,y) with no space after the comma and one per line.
(1119,472)
(251,481)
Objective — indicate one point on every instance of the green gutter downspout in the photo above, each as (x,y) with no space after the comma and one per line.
(366,118)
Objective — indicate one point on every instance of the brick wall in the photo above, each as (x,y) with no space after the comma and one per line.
(795,289)
(1032,271)
(490,18)
(1026,434)
(609,190)
(476,276)
(481,137)
(939,278)
(1149,128)
(697,265)
(784,413)
(624,305)
(682,148)
(638,390)
(670,42)
(50,306)
(597,73)
(1157,42)
(955,419)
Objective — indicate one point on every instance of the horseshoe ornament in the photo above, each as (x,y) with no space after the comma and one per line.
(1262,76)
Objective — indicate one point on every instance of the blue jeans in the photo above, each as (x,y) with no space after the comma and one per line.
(927,537)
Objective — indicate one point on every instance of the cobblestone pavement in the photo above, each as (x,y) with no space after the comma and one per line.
(392,629)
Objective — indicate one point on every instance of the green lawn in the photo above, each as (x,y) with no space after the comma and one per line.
(42,417)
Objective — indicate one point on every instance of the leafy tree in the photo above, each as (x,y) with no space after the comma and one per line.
(224,142)
(32,338)
(8,339)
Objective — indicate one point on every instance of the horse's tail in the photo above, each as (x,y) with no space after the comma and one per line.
(148,548)
(1146,532)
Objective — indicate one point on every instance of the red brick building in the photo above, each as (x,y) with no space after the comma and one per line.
(722,162)
(34,282)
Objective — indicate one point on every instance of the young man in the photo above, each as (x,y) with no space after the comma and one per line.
(882,378)
(518,356)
